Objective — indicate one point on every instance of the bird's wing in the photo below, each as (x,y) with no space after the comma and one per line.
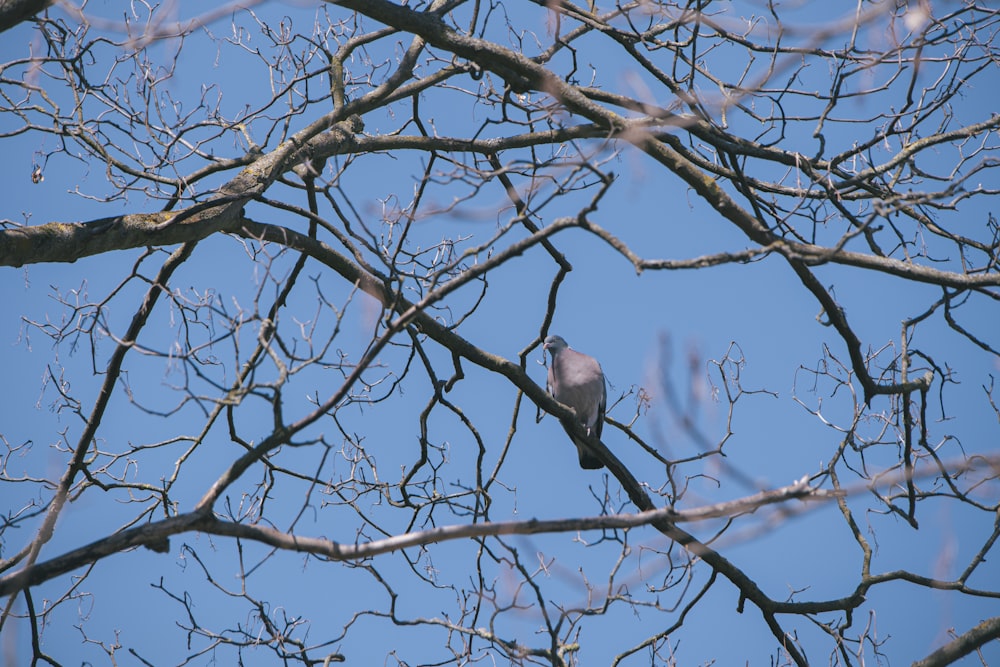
(601,407)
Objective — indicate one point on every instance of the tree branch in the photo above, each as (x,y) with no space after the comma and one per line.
(963,645)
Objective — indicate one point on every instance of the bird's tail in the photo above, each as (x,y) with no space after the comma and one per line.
(587,460)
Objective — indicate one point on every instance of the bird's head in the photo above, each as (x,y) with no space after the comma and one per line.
(554,344)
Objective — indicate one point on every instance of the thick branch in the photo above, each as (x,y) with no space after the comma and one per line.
(68,242)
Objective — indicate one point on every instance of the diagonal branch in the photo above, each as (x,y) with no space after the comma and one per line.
(111,378)
(963,645)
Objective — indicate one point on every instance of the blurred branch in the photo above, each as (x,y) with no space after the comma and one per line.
(963,645)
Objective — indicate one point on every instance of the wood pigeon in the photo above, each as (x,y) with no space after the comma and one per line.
(577,381)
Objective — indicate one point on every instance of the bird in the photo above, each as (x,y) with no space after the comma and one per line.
(577,381)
